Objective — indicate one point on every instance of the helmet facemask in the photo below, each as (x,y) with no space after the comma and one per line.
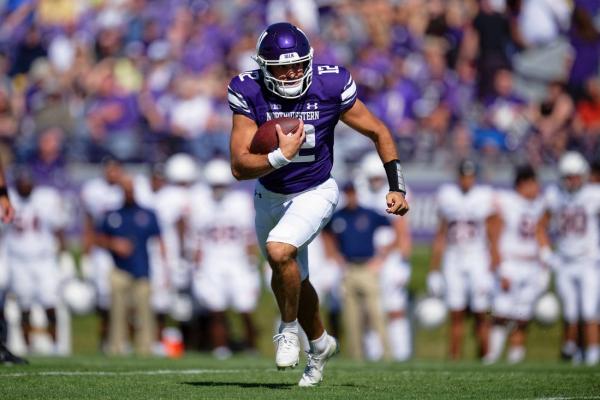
(287,88)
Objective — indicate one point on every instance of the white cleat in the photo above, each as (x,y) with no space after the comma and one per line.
(313,373)
(288,350)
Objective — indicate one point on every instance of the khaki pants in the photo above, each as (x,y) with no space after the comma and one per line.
(127,293)
(361,290)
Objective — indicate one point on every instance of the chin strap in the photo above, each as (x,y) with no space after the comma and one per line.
(393,170)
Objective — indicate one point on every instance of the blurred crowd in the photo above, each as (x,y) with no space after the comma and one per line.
(140,80)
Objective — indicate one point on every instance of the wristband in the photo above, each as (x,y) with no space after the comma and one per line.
(393,170)
(277,159)
(3,191)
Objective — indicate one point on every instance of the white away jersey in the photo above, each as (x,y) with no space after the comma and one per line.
(575,217)
(465,214)
(224,228)
(98,197)
(36,219)
(519,216)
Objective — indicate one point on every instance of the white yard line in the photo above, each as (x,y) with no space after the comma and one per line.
(126,373)
(569,398)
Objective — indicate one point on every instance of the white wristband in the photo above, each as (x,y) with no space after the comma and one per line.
(277,159)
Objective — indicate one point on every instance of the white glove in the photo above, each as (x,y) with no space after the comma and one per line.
(435,283)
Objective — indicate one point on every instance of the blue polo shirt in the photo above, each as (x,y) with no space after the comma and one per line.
(354,231)
(136,224)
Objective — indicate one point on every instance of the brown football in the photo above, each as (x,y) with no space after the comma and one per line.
(265,139)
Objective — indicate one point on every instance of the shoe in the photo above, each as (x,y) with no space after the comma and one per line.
(8,358)
(313,373)
(288,350)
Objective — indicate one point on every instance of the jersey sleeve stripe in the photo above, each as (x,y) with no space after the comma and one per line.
(349,94)
(237,103)
(349,82)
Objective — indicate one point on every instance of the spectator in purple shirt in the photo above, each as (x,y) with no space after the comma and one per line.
(585,39)
(113,117)
(48,165)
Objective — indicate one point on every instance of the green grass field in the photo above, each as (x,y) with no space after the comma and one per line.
(201,377)
(88,375)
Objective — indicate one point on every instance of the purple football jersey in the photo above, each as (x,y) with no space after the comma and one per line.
(332,92)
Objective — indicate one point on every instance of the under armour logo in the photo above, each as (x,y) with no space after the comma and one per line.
(275,106)
(257,194)
(312,106)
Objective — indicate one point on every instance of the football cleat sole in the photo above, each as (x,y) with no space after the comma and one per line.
(284,367)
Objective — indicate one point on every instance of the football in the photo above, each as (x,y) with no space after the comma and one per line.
(265,139)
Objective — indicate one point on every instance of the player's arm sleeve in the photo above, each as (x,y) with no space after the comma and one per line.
(440,200)
(348,95)
(488,202)
(238,103)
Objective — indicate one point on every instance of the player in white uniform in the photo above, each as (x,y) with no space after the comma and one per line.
(33,243)
(573,208)
(98,196)
(371,185)
(520,276)
(461,249)
(169,198)
(227,274)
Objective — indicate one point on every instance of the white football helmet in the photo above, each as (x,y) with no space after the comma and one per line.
(79,296)
(217,172)
(181,168)
(572,163)
(547,309)
(371,166)
(430,312)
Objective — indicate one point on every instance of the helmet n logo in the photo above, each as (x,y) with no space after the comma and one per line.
(312,106)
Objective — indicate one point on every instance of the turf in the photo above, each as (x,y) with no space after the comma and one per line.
(91,376)
(201,377)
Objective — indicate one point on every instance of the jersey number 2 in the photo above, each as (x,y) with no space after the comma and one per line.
(309,143)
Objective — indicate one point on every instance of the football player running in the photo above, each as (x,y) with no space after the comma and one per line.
(573,207)
(460,247)
(521,278)
(295,195)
